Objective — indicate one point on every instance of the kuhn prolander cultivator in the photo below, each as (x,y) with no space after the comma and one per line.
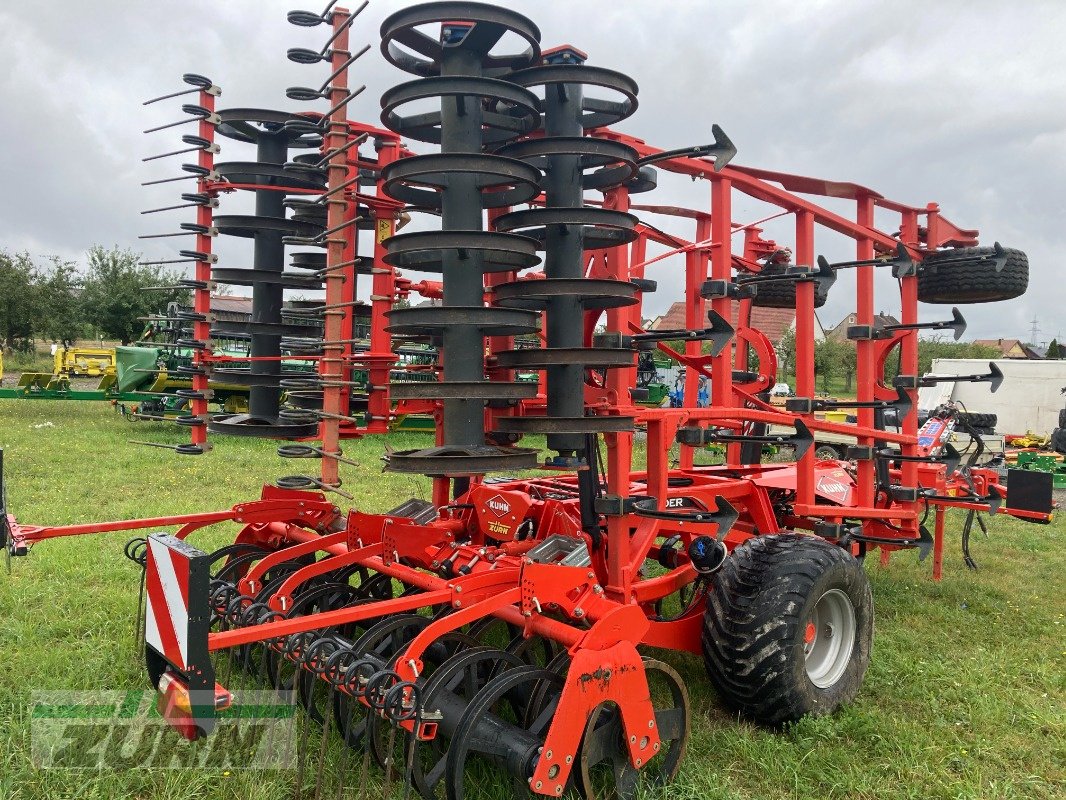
(499,631)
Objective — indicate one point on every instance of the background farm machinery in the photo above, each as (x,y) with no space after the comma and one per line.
(495,627)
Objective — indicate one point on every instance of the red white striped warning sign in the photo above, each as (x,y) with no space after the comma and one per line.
(167,615)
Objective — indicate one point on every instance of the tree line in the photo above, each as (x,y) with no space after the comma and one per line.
(54,300)
(834,360)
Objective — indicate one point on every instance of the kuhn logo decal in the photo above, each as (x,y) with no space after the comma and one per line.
(833,488)
(499,506)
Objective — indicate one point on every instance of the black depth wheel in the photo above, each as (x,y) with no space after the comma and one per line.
(788,628)
(603,770)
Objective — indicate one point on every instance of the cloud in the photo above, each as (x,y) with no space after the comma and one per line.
(955,102)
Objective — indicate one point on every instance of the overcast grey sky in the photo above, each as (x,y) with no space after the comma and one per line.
(962,103)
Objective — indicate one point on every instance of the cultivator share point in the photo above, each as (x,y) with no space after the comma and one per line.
(495,634)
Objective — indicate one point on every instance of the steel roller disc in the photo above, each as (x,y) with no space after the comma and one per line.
(603,770)
(445,650)
(494,742)
(456,682)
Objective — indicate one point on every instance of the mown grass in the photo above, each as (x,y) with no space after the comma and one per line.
(965,698)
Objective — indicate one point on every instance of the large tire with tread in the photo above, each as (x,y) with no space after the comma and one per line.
(979,421)
(769,625)
(782,294)
(1058,440)
(941,281)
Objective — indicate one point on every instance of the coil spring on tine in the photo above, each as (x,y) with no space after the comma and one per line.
(337,666)
(357,677)
(249,614)
(401,702)
(221,592)
(294,645)
(136,550)
(314,659)
(377,688)
(234,607)
(275,643)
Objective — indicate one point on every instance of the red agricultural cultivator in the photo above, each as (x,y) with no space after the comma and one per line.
(500,628)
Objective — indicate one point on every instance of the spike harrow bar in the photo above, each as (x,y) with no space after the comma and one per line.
(500,624)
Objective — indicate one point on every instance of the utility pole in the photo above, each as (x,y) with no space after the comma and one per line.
(1034,331)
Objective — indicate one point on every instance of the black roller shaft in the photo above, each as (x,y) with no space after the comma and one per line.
(564,259)
(269,254)
(461,118)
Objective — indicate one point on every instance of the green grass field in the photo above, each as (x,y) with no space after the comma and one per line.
(965,698)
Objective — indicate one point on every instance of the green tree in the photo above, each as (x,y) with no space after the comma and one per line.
(19,301)
(786,354)
(116,297)
(1053,350)
(936,347)
(847,356)
(59,287)
(827,361)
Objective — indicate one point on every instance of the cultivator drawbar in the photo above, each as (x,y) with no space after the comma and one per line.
(496,633)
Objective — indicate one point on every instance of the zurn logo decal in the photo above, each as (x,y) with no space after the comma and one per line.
(124,730)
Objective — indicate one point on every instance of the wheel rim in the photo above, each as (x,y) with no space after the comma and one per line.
(829,638)
(824,453)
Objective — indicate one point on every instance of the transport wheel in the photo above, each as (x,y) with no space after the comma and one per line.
(1058,440)
(979,421)
(972,282)
(782,294)
(826,452)
(788,628)
(603,770)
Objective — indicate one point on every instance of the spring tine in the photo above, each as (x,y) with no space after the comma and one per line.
(166,261)
(169,180)
(342,767)
(337,228)
(347,63)
(336,189)
(172,125)
(412,741)
(141,611)
(351,96)
(152,444)
(179,93)
(343,265)
(173,153)
(389,759)
(342,29)
(327,718)
(170,208)
(166,235)
(365,771)
(301,751)
(362,137)
(199,83)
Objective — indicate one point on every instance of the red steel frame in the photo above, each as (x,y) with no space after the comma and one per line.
(608,607)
